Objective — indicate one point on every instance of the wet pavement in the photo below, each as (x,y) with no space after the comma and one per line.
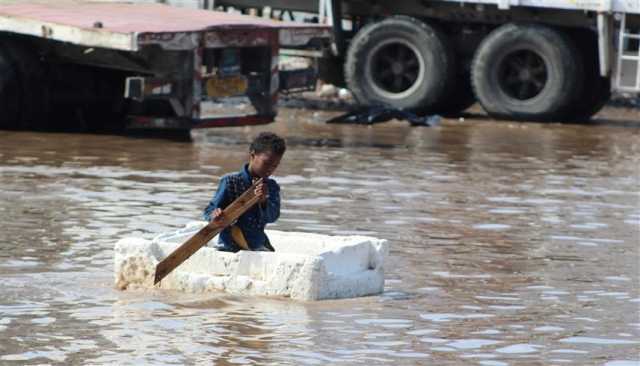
(511,244)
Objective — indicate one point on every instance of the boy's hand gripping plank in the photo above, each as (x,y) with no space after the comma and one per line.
(202,237)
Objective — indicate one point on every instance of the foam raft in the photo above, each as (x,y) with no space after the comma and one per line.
(305,266)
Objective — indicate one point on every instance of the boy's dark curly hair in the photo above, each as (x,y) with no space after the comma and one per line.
(268,141)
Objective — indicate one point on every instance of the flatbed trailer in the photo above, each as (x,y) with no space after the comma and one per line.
(546,60)
(142,65)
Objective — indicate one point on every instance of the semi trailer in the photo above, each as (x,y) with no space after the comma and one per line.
(541,60)
(110,65)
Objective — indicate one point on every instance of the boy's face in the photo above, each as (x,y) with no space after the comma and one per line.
(263,164)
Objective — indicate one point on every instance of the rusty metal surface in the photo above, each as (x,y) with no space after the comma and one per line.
(133,18)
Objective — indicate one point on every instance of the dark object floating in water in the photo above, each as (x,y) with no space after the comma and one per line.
(371,115)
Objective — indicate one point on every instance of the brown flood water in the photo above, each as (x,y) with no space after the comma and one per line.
(511,244)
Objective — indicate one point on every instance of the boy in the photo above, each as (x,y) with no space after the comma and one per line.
(265,154)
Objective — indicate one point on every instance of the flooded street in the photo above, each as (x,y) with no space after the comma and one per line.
(510,244)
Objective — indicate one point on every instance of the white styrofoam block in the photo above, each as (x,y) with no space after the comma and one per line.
(305,266)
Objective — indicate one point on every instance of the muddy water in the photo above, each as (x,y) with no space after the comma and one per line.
(511,244)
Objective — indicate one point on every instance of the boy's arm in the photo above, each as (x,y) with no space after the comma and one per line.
(271,208)
(218,200)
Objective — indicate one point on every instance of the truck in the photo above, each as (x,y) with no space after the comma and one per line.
(105,65)
(533,60)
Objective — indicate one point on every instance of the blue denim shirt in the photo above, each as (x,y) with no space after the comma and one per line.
(252,222)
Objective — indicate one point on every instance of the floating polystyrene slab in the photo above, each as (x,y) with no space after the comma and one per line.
(305,266)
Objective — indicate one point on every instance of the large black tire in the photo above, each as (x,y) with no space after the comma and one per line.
(10,94)
(597,89)
(527,72)
(400,62)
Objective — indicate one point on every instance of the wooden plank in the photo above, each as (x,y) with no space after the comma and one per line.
(230,214)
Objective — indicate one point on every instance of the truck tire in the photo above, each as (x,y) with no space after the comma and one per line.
(10,95)
(597,89)
(527,72)
(400,62)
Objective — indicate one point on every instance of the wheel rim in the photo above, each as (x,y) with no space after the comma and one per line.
(523,74)
(395,68)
